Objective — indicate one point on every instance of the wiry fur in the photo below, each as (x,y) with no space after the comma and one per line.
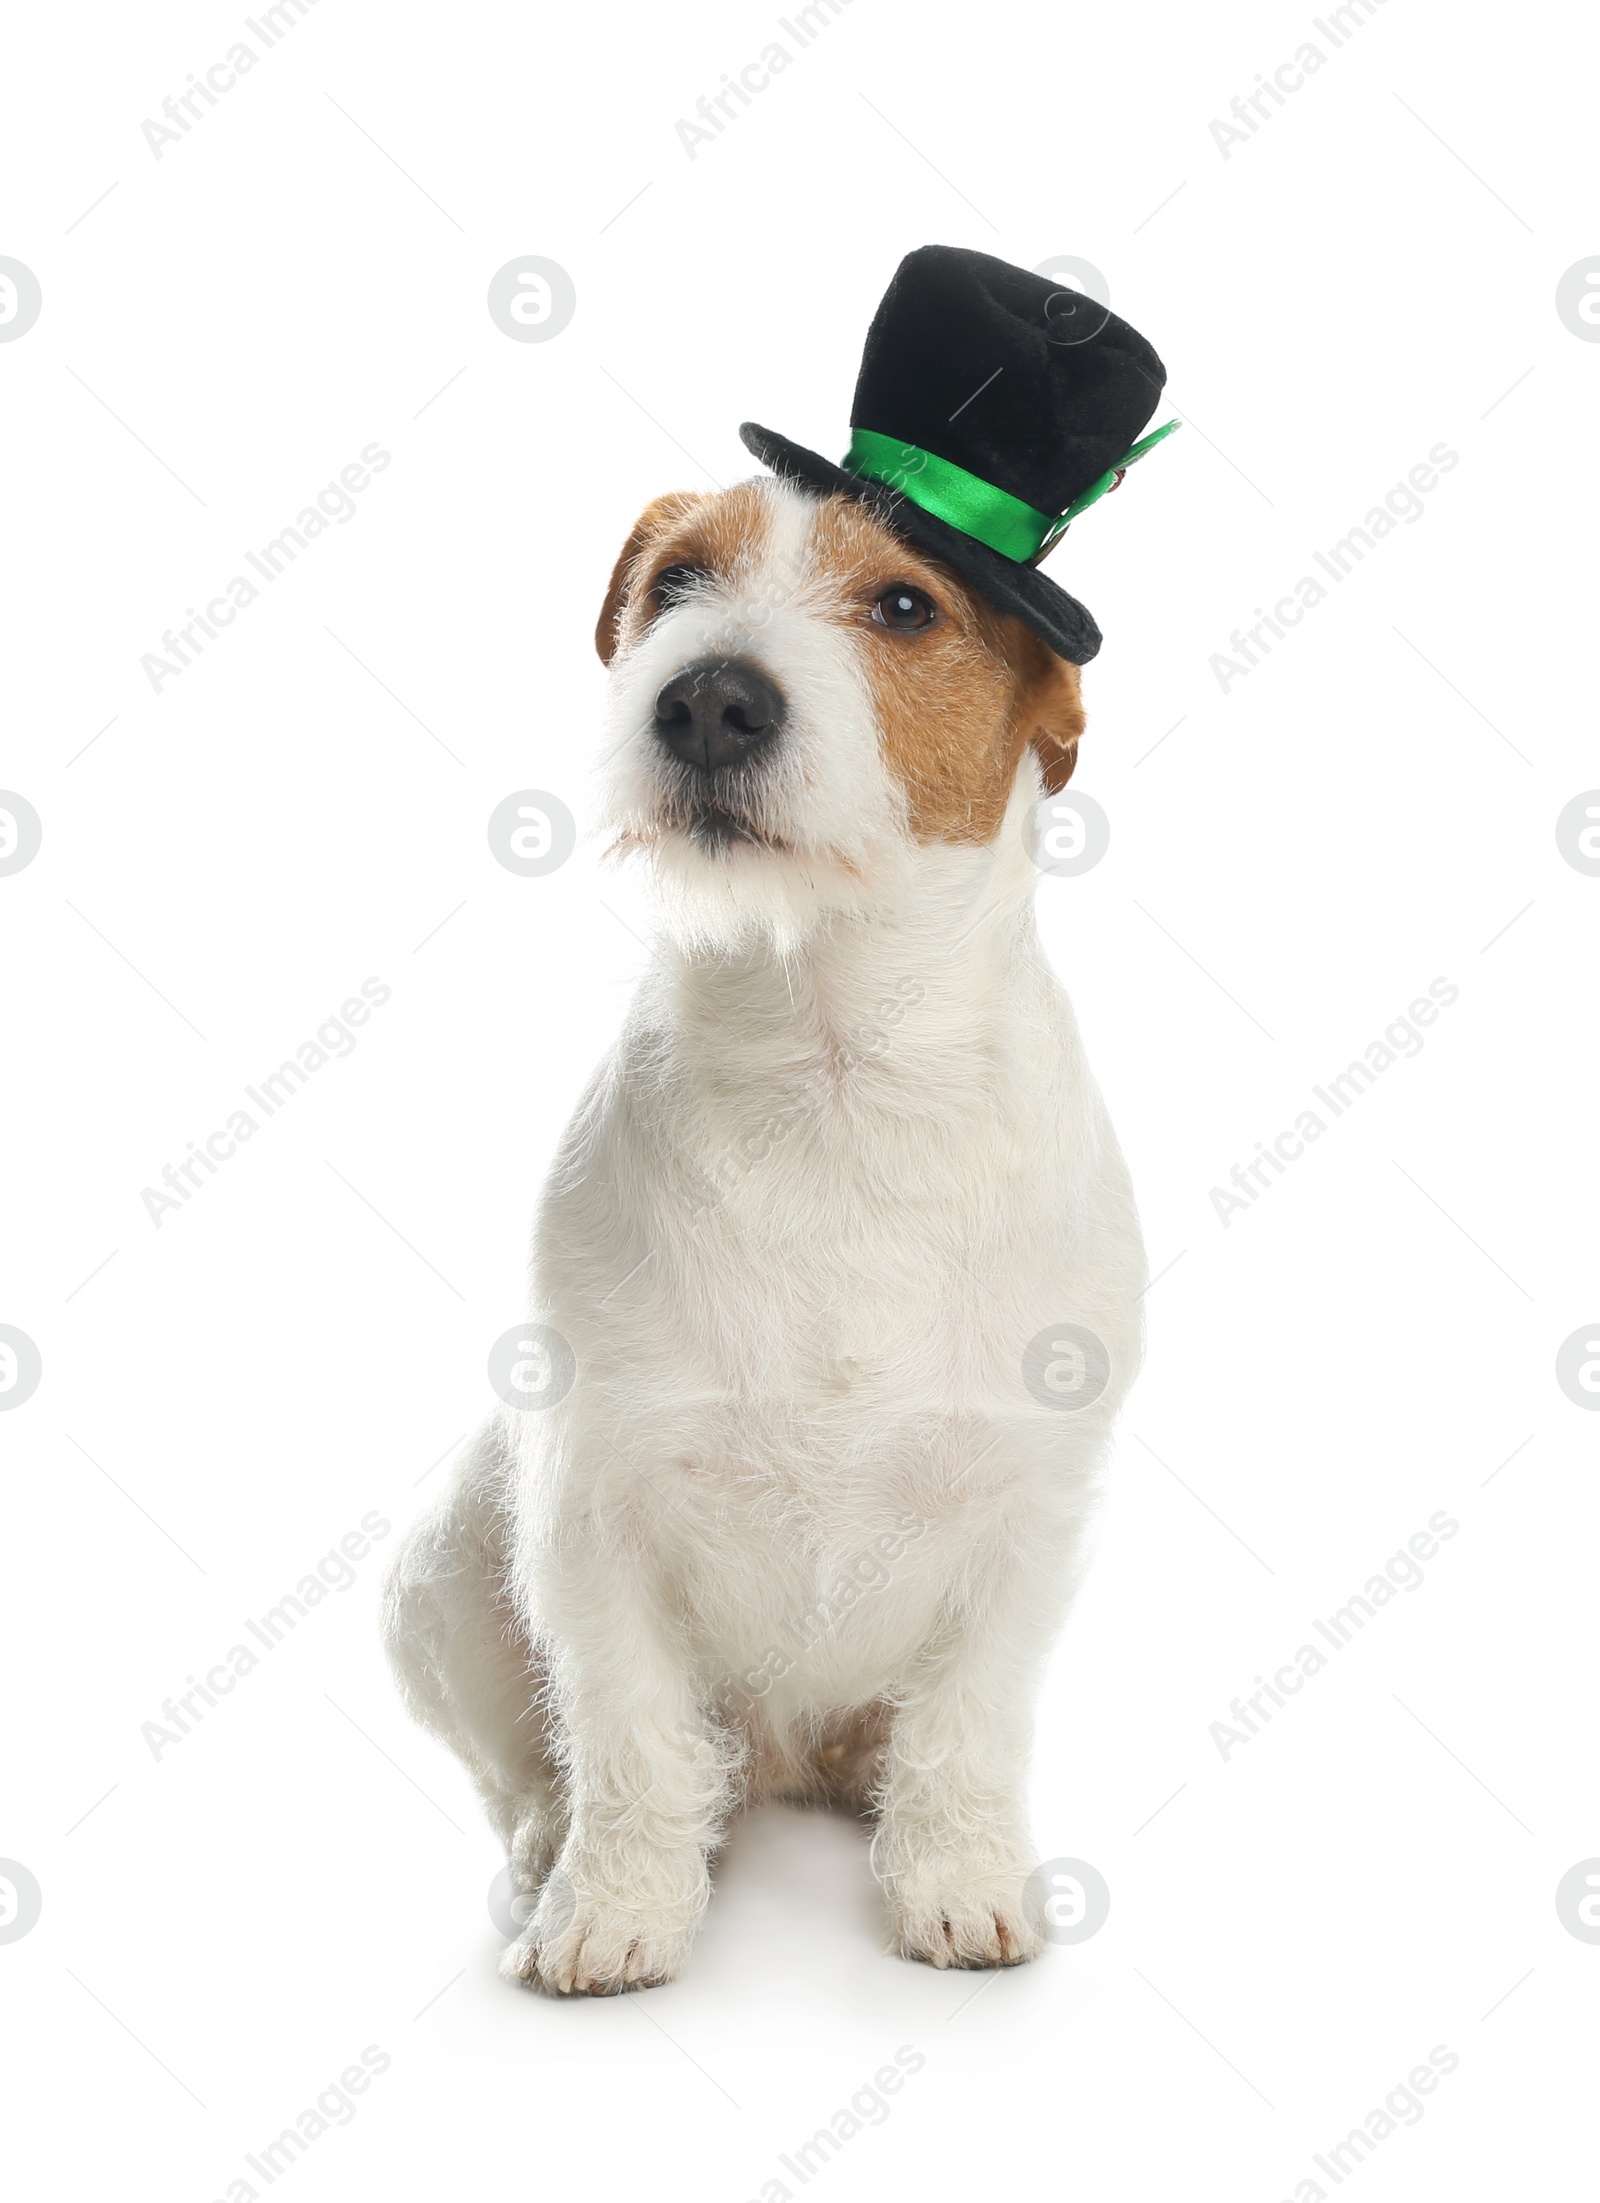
(844,1163)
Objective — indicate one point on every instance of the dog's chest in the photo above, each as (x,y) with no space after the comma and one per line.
(836,1250)
(800,1291)
(875,1239)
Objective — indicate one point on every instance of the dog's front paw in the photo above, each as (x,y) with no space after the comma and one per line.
(596,1943)
(978,1923)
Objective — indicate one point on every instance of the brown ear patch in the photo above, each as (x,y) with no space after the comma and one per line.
(656,519)
(1049,705)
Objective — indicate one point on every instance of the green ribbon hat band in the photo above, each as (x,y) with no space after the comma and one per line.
(1005,523)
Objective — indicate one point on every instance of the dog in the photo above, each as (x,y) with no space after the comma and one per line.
(837,1277)
(800,1528)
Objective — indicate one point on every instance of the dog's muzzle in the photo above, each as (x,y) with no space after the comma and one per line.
(718,713)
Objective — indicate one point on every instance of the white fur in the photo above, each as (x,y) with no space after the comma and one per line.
(844,1163)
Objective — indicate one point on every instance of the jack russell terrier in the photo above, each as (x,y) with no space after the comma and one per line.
(837,1273)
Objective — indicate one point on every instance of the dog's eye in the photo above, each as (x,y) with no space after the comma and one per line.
(674,583)
(904,608)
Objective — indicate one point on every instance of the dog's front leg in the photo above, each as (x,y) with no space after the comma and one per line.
(646,1779)
(952,1848)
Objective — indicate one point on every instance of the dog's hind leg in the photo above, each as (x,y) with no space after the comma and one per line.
(463,1661)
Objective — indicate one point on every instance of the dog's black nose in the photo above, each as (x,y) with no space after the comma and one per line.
(717,712)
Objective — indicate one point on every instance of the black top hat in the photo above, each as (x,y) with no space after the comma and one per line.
(992,407)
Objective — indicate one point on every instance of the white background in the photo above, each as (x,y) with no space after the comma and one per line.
(1372,273)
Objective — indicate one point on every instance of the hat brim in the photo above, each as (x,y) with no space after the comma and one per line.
(1060,620)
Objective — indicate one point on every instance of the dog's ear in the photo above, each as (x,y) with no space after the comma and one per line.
(1050,709)
(650,524)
